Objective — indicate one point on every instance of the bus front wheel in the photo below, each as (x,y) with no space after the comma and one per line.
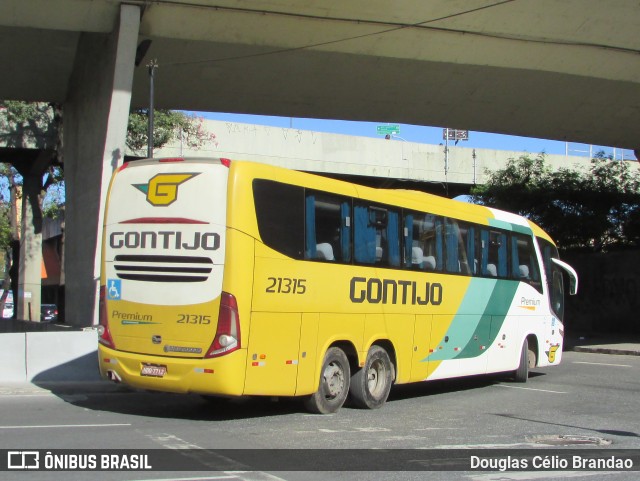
(371,384)
(527,359)
(334,383)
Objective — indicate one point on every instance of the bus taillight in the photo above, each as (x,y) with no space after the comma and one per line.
(103,328)
(227,337)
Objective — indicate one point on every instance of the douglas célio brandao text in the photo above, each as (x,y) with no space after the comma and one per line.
(573,461)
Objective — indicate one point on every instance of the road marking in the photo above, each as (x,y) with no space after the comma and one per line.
(190,450)
(26,391)
(42,426)
(355,430)
(17,394)
(436,429)
(171,441)
(254,476)
(601,364)
(487,446)
(530,389)
(205,478)
(241,475)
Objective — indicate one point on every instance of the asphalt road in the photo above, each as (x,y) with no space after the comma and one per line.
(590,401)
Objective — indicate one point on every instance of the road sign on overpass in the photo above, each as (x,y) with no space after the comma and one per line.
(388,129)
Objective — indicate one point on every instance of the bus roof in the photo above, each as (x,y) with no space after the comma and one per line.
(410,199)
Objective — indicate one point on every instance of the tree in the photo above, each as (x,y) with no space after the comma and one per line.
(597,208)
(31,132)
(169,125)
(9,231)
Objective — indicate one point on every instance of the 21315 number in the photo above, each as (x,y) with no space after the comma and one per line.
(286,285)
(193,319)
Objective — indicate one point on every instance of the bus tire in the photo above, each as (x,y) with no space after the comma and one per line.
(371,384)
(522,373)
(334,383)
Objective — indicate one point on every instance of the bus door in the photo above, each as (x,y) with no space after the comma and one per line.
(421,344)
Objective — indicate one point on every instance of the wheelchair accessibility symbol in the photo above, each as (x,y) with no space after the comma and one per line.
(114,289)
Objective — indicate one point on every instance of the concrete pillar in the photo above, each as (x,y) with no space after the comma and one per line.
(29,276)
(95,126)
(29,281)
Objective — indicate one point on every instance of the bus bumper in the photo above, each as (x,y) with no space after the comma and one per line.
(223,375)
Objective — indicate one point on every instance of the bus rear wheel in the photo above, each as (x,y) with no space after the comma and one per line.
(334,383)
(371,384)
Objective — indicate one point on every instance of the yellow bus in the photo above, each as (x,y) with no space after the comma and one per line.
(235,278)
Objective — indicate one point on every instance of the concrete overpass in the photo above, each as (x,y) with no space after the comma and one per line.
(558,69)
(371,161)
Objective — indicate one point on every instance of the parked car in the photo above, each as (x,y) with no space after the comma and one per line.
(48,312)
(7,312)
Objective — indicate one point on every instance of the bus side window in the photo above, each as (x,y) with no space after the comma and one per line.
(376,236)
(280,216)
(467,248)
(392,233)
(493,258)
(460,243)
(524,264)
(498,252)
(451,241)
(327,227)
(364,236)
(423,241)
(519,267)
(413,255)
(488,257)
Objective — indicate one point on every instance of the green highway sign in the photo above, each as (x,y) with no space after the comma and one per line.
(388,129)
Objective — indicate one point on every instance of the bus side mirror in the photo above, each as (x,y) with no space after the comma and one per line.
(573,275)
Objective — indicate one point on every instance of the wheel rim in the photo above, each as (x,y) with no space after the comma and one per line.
(376,378)
(531,358)
(334,380)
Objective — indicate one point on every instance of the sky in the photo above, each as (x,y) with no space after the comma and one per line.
(421,134)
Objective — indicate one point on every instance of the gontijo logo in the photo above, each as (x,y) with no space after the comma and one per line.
(162,189)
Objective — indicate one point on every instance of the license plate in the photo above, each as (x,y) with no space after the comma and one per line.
(153,370)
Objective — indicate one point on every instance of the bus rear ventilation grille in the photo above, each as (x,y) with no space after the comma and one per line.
(158,268)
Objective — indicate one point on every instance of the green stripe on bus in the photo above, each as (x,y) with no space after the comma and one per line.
(488,298)
(465,323)
(500,224)
(492,319)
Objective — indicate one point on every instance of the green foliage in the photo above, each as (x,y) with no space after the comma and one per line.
(53,201)
(28,124)
(168,126)
(9,195)
(597,208)
(5,227)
